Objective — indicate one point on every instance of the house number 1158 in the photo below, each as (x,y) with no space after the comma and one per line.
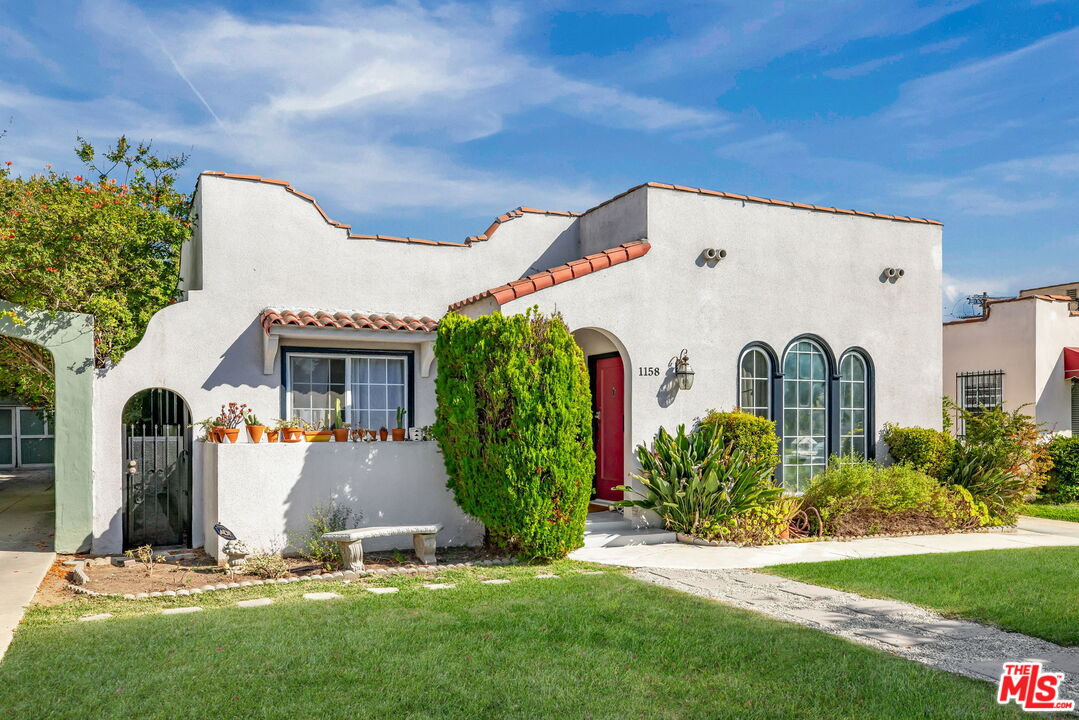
(648,371)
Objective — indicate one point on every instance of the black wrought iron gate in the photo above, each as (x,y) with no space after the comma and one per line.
(157,469)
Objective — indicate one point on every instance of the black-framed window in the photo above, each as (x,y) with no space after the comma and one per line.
(854,394)
(755,382)
(806,408)
(977,390)
(367,385)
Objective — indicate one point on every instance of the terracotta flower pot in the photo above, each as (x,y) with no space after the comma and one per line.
(398,434)
(340,435)
(255,432)
(317,435)
(383,434)
(372,434)
(290,435)
(230,434)
(215,434)
(271,435)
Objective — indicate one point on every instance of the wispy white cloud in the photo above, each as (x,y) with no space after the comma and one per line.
(865,68)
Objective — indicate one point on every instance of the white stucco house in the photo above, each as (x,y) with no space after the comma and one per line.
(825,320)
(1021,352)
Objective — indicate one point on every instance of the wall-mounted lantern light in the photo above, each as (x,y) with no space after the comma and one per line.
(683,373)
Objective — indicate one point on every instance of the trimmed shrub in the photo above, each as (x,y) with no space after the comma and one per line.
(755,436)
(265,565)
(867,498)
(695,485)
(923,449)
(514,423)
(323,519)
(1063,484)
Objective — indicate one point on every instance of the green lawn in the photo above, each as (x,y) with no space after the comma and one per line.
(1032,591)
(1067,511)
(581,646)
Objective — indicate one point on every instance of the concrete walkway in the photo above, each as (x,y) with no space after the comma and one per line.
(26,530)
(1032,532)
(957,646)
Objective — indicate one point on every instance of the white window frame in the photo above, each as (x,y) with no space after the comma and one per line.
(20,436)
(348,357)
(768,372)
(792,484)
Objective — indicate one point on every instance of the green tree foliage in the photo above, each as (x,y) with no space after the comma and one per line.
(923,449)
(753,435)
(106,244)
(514,423)
(1063,485)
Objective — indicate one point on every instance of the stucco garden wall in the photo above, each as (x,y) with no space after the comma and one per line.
(1057,329)
(264,492)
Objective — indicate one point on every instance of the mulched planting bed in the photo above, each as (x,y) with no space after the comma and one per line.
(201,569)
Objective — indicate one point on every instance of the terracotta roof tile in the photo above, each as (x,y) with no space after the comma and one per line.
(560,274)
(358,321)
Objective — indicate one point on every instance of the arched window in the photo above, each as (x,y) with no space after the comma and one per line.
(853,406)
(754,383)
(805,414)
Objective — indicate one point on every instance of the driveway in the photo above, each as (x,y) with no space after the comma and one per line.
(26,530)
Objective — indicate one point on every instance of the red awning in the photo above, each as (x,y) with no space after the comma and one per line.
(1071,363)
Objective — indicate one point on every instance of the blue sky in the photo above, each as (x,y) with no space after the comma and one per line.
(428,119)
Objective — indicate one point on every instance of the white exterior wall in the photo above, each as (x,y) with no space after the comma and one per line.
(262,246)
(787,273)
(1025,338)
(268,491)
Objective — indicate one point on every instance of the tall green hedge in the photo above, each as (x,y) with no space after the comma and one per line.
(514,423)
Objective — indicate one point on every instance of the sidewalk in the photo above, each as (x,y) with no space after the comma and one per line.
(26,529)
(1032,532)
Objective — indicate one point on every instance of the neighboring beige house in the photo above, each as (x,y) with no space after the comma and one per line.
(1024,351)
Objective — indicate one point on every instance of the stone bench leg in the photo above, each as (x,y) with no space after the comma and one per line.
(352,554)
(425,548)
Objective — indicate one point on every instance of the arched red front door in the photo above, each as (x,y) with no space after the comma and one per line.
(609,411)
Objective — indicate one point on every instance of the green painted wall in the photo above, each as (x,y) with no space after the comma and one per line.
(70,339)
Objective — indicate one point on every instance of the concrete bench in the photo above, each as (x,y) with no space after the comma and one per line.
(351,541)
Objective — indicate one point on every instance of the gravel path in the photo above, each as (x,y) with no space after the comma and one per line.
(958,646)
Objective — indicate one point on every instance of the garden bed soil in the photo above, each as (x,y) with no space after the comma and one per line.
(202,570)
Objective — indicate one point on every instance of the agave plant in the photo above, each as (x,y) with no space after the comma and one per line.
(999,488)
(690,484)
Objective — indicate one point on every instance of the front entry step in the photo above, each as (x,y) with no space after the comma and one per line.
(610,529)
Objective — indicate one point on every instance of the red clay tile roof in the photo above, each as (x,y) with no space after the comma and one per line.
(571,270)
(358,321)
(519,212)
(522,210)
(765,201)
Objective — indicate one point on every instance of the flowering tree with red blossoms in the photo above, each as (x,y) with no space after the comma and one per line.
(107,244)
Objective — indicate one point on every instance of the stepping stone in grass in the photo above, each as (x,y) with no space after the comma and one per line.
(102,616)
(592,572)
(439,586)
(895,638)
(545,576)
(382,590)
(257,602)
(320,596)
(496,581)
(181,610)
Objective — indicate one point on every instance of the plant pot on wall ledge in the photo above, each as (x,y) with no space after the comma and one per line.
(255,432)
(230,434)
(340,434)
(317,435)
(398,434)
(215,434)
(271,435)
(383,433)
(290,434)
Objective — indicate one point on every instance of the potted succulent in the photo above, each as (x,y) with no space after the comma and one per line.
(255,429)
(340,427)
(316,432)
(207,427)
(228,422)
(399,430)
(383,433)
(290,429)
(358,434)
